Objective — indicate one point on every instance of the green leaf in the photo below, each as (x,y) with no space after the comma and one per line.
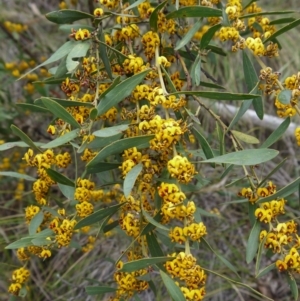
(9,145)
(57,55)
(21,243)
(62,139)
(111,131)
(195,12)
(154,16)
(245,137)
(282,193)
(242,110)
(223,259)
(120,92)
(282,21)
(24,137)
(196,71)
(104,56)
(143,263)
(189,35)
(210,85)
(204,144)
(259,254)
(32,108)
(98,290)
(103,141)
(35,222)
(276,135)
(59,111)
(171,86)
(130,179)
(293,286)
(41,241)
(245,157)
(135,4)
(112,86)
(152,221)
(59,178)
(98,216)
(267,13)
(252,80)
(284,97)
(67,16)
(154,246)
(268,176)
(67,191)
(253,241)
(101,167)
(65,103)
(78,51)
(172,288)
(18,175)
(207,37)
(216,50)
(282,30)
(119,146)
(266,270)
(113,49)
(217,95)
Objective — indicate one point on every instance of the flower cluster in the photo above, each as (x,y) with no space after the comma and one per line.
(185,268)
(19,277)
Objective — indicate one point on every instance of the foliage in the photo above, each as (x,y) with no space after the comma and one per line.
(131,153)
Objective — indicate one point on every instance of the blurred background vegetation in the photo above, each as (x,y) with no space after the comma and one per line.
(27,39)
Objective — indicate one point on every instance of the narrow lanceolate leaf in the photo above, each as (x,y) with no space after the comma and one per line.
(242,110)
(98,216)
(253,242)
(59,111)
(101,167)
(252,80)
(57,55)
(120,92)
(223,259)
(284,97)
(98,290)
(67,191)
(189,35)
(293,286)
(104,56)
(154,246)
(143,263)
(9,145)
(277,134)
(266,13)
(14,174)
(282,193)
(207,37)
(218,95)
(24,137)
(111,131)
(195,12)
(78,51)
(67,16)
(245,137)
(59,178)
(204,144)
(61,140)
(35,222)
(172,288)
(282,21)
(266,270)
(196,71)
(152,221)
(130,179)
(21,243)
(65,103)
(245,157)
(283,30)
(32,108)
(119,146)
(259,254)
(135,4)
(154,16)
